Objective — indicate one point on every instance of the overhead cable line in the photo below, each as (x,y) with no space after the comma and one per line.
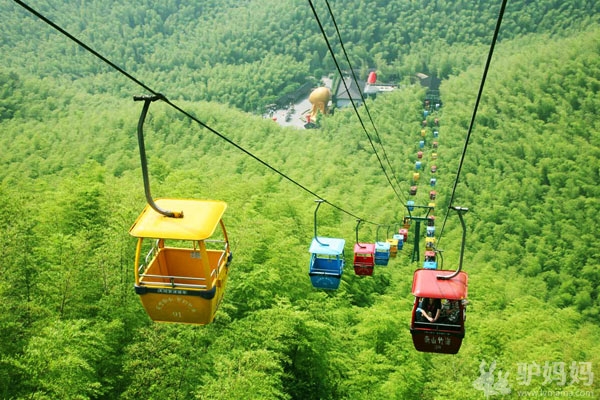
(479,94)
(187,114)
(360,92)
(351,99)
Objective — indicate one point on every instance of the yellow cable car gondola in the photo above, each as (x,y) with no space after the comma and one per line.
(181,264)
(183,275)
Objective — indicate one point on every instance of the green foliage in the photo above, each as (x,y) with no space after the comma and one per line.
(251,52)
(71,186)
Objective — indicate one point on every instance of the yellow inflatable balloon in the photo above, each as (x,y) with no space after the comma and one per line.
(319,98)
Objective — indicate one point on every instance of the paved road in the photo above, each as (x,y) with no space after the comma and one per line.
(301,109)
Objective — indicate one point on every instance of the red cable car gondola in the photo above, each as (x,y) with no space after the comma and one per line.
(404,233)
(364,256)
(445,334)
(364,259)
(443,330)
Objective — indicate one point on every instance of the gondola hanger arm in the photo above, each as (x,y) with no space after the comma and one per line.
(147,99)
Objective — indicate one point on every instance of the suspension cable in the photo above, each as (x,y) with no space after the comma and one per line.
(479,94)
(351,99)
(179,109)
(360,92)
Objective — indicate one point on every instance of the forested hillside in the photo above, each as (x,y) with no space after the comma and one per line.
(247,53)
(71,186)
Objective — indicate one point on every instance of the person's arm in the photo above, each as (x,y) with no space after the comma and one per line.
(437,315)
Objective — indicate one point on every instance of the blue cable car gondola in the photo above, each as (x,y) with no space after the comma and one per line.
(382,251)
(430,231)
(327,259)
(430,261)
(400,239)
(326,262)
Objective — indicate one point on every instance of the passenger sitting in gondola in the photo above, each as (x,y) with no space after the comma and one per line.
(429,310)
(450,312)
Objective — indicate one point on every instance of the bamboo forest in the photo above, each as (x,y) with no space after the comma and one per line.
(322,199)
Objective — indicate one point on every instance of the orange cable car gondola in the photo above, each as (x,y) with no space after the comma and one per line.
(183,275)
(444,331)
(393,244)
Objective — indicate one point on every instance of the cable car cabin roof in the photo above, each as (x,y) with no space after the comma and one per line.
(364,248)
(333,246)
(200,219)
(426,284)
(385,246)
